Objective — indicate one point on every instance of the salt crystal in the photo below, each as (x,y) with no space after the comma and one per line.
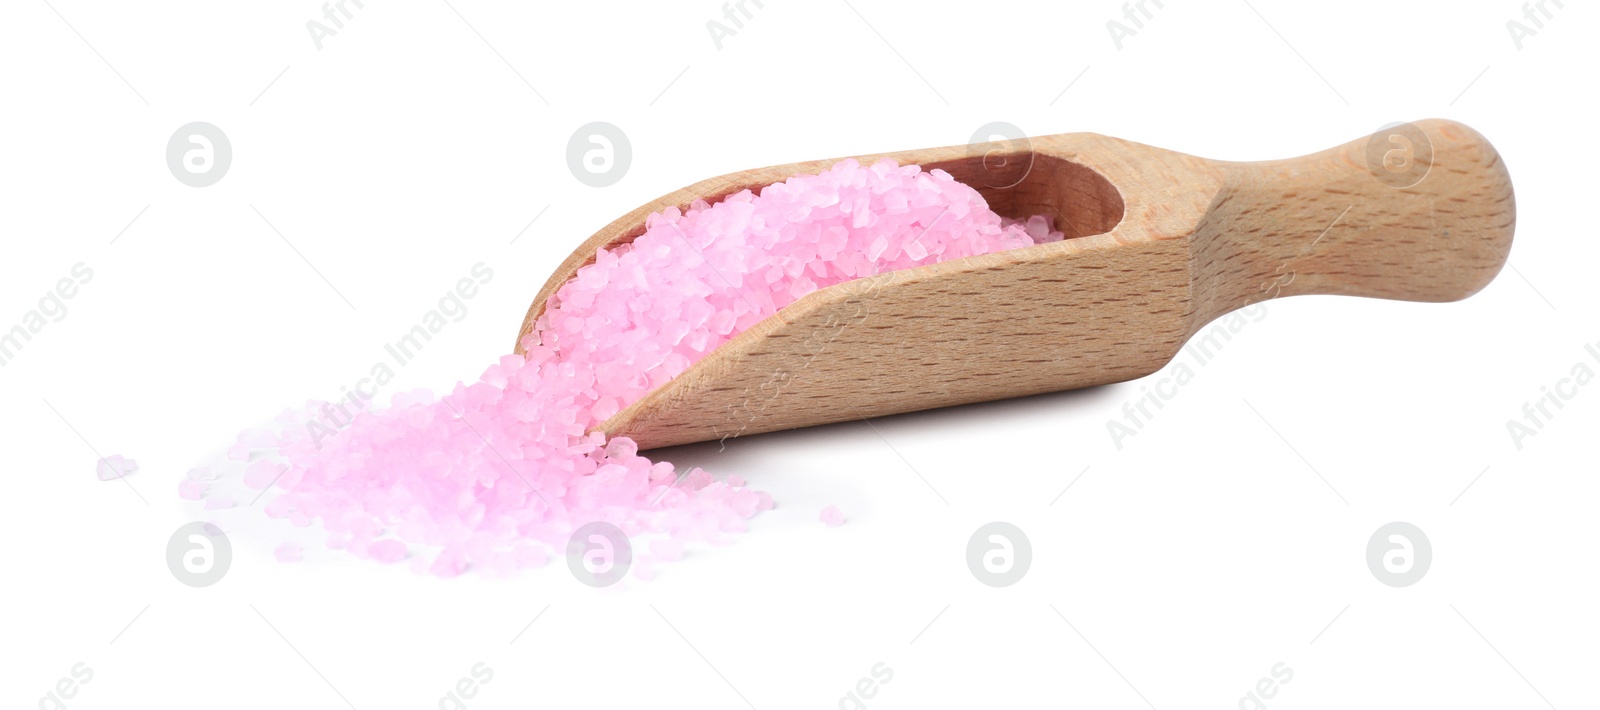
(261,474)
(190,489)
(287,552)
(115,466)
(832,517)
(1038,227)
(449,563)
(915,250)
(387,551)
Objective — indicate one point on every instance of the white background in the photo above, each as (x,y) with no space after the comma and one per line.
(1172,573)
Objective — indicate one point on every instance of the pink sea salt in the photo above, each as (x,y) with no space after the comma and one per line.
(287,552)
(261,474)
(190,489)
(831,516)
(114,466)
(500,471)
(387,551)
(450,562)
(666,550)
(251,441)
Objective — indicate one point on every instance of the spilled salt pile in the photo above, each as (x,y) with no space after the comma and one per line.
(496,474)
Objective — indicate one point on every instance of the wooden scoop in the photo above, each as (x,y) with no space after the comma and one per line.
(1158,245)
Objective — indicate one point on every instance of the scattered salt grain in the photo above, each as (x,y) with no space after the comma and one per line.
(261,474)
(832,517)
(338,540)
(115,466)
(190,489)
(287,552)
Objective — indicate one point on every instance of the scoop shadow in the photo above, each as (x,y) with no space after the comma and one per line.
(752,450)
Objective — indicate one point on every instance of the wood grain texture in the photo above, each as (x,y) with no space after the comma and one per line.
(1160,243)
(1324,224)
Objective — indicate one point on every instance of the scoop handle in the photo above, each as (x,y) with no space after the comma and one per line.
(1420,212)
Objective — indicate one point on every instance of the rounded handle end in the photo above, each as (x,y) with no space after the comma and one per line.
(1419,211)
